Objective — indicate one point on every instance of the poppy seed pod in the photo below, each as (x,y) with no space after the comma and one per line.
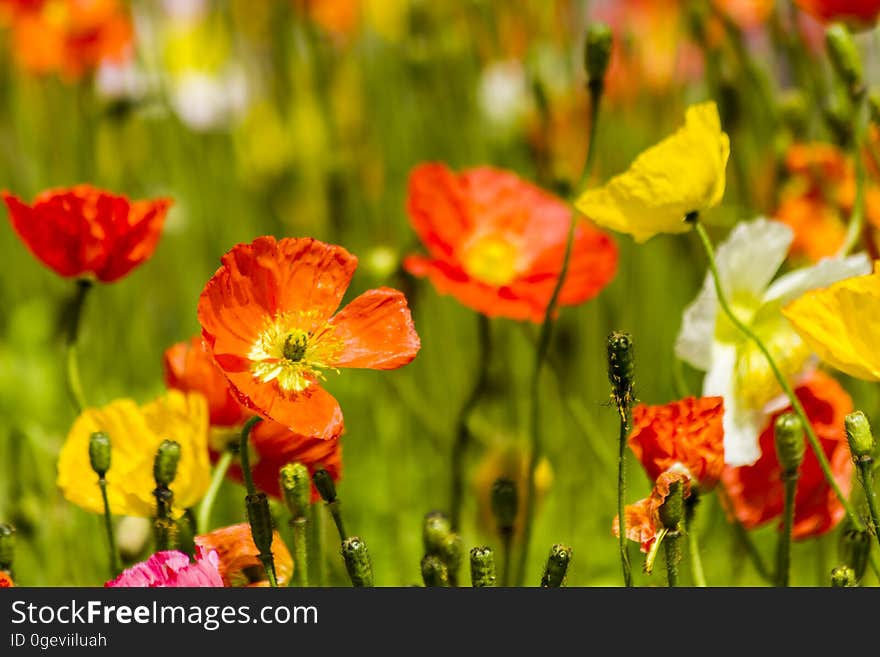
(859,436)
(324,484)
(165,464)
(621,368)
(357,561)
(436,528)
(597,52)
(99,452)
(789,436)
(297,487)
(482,567)
(557,566)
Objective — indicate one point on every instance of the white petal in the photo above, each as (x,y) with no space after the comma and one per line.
(751,255)
(822,274)
(742,426)
(694,342)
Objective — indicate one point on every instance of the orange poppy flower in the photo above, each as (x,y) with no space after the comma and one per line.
(85,231)
(496,242)
(68,37)
(685,435)
(239,561)
(189,367)
(267,317)
(5,580)
(756,491)
(858,12)
(747,14)
(642,518)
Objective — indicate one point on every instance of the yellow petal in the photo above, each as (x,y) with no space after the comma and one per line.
(684,173)
(841,323)
(135,434)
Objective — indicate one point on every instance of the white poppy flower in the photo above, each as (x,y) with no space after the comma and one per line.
(735,368)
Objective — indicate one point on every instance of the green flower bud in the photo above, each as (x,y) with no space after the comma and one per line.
(859,436)
(99,452)
(597,52)
(357,561)
(324,484)
(165,464)
(789,435)
(452,553)
(621,368)
(435,530)
(854,550)
(434,571)
(843,576)
(482,567)
(7,546)
(505,503)
(259,517)
(557,566)
(297,487)
(844,56)
(672,510)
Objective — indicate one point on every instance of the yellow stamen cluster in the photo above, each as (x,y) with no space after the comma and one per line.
(491,259)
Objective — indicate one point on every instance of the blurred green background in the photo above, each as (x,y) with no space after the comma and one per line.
(257,119)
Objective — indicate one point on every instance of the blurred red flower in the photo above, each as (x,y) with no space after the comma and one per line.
(756,491)
(267,318)
(642,519)
(68,37)
(82,230)
(496,242)
(685,435)
(856,12)
(5,580)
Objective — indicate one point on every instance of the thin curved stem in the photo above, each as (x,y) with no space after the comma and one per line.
(623,548)
(857,216)
(115,567)
(244,455)
(866,476)
(792,398)
(204,514)
(783,550)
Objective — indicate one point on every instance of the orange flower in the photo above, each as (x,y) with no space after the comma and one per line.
(87,231)
(6,580)
(189,367)
(239,564)
(267,317)
(756,491)
(496,243)
(642,518)
(746,13)
(859,12)
(686,434)
(68,37)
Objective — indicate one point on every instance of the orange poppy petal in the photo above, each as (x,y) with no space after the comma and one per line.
(377,331)
(144,220)
(438,209)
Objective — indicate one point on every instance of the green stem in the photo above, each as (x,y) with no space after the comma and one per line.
(333,508)
(783,550)
(672,545)
(696,560)
(317,544)
(792,398)
(541,352)
(866,476)
(115,568)
(204,514)
(857,216)
(621,496)
(72,319)
(300,550)
(463,434)
(244,455)
(751,551)
(506,550)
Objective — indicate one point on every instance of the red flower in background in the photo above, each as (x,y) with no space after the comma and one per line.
(190,367)
(642,519)
(686,434)
(84,231)
(267,316)
(858,12)
(68,37)
(5,580)
(237,557)
(496,243)
(756,491)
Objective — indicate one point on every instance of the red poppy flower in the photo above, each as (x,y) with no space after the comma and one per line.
(642,518)
(189,367)
(69,37)
(496,243)
(239,563)
(5,580)
(756,491)
(686,434)
(267,317)
(858,12)
(86,231)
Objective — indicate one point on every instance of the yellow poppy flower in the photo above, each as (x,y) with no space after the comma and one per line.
(135,434)
(682,174)
(841,323)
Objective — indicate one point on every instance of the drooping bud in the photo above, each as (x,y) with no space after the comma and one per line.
(843,576)
(260,519)
(482,567)
(324,484)
(789,436)
(452,553)
(505,503)
(597,53)
(357,561)
(621,368)
(165,463)
(854,550)
(845,57)
(435,530)
(297,487)
(99,452)
(557,566)
(671,511)
(7,546)
(859,436)
(434,571)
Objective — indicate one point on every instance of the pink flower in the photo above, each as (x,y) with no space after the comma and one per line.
(172,568)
